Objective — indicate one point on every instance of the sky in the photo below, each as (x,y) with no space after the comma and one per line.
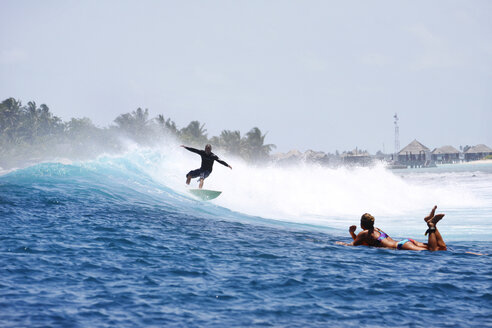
(320,75)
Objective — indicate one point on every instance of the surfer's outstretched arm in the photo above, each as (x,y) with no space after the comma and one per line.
(223,163)
(193,150)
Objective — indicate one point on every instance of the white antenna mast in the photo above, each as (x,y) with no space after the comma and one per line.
(397,135)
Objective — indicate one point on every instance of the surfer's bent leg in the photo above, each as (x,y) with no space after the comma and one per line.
(203,175)
(192,174)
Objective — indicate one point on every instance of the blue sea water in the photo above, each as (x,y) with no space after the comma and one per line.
(114,242)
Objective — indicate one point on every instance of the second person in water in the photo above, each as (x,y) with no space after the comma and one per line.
(372,236)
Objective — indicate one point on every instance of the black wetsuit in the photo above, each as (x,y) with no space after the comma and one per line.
(207,163)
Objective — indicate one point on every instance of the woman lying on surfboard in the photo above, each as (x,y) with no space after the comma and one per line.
(205,169)
(371,236)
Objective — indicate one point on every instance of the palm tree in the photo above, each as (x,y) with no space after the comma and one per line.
(230,141)
(134,123)
(254,148)
(77,126)
(48,123)
(194,133)
(167,125)
(29,124)
(10,118)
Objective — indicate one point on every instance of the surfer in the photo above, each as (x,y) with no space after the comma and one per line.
(371,236)
(205,169)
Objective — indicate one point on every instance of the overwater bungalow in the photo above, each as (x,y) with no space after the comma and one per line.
(477,152)
(415,154)
(445,155)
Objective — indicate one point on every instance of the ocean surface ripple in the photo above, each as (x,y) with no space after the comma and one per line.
(87,246)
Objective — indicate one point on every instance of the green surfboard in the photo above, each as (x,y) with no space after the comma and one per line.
(205,194)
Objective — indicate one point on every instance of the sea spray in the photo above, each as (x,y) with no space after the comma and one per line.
(311,194)
(308,194)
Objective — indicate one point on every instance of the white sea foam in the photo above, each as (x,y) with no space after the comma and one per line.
(310,194)
(327,197)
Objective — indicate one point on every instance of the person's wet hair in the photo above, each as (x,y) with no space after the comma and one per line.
(208,147)
(367,221)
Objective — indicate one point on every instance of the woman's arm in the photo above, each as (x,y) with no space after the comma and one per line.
(358,240)
(352,231)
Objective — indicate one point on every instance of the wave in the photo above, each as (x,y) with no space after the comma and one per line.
(309,194)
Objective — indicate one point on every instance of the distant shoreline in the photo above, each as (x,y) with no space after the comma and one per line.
(481,161)
(477,162)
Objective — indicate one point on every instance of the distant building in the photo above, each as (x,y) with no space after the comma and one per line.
(292,157)
(477,152)
(357,157)
(295,157)
(445,154)
(316,157)
(415,154)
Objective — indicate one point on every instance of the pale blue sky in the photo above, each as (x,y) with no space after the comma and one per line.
(322,75)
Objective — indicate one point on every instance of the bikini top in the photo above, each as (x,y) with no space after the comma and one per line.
(382,235)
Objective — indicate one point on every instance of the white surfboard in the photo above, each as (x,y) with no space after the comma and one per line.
(205,194)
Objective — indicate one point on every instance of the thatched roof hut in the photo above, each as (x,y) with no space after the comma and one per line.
(414,147)
(477,152)
(415,154)
(446,154)
(445,150)
(478,149)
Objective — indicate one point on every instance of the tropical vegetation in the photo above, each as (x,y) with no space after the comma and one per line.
(30,133)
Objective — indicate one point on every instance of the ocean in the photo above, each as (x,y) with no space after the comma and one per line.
(118,241)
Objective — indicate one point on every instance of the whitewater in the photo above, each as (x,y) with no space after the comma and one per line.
(119,241)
